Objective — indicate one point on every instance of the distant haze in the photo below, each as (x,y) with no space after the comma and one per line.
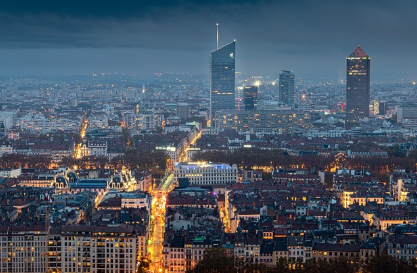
(312,38)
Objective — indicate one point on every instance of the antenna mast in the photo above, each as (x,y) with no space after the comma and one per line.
(217,25)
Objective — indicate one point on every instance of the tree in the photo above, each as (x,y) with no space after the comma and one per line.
(127,139)
(143,265)
(70,161)
(215,260)
(407,266)
(413,154)
(383,263)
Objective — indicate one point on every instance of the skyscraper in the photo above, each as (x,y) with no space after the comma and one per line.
(222,79)
(357,85)
(250,94)
(382,108)
(286,87)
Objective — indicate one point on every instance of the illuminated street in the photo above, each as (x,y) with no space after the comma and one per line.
(183,156)
(77,153)
(224,215)
(156,237)
(157,225)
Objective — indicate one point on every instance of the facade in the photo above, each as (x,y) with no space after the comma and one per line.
(181,255)
(206,173)
(250,97)
(96,249)
(23,249)
(174,256)
(222,79)
(131,120)
(11,173)
(384,220)
(296,249)
(407,115)
(403,248)
(6,148)
(71,249)
(262,121)
(38,181)
(136,200)
(286,87)
(357,85)
(327,251)
(280,252)
(97,148)
(149,120)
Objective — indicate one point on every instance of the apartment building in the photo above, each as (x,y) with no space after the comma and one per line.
(96,249)
(23,249)
(206,173)
(262,121)
(403,248)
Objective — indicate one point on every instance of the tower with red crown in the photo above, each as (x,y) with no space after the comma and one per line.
(357,85)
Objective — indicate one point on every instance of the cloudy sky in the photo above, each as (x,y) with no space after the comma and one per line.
(312,38)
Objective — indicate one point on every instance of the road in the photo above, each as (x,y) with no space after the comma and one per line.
(77,153)
(167,182)
(157,230)
(157,226)
(183,156)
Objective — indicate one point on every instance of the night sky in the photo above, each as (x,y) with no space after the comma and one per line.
(312,38)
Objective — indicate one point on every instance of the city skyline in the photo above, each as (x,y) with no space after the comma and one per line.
(78,38)
(132,139)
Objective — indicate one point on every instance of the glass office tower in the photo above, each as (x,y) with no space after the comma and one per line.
(222,79)
(357,85)
(250,97)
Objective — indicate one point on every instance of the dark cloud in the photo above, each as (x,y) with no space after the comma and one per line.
(116,9)
(310,37)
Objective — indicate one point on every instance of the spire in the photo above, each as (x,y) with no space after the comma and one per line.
(217,25)
(358,52)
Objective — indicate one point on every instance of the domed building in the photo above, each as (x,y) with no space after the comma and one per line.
(69,182)
(61,182)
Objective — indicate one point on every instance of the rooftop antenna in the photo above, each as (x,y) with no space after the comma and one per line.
(217,25)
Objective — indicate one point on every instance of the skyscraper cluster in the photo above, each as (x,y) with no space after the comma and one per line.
(222,84)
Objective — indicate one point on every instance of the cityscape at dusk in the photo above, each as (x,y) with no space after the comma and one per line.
(208,136)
